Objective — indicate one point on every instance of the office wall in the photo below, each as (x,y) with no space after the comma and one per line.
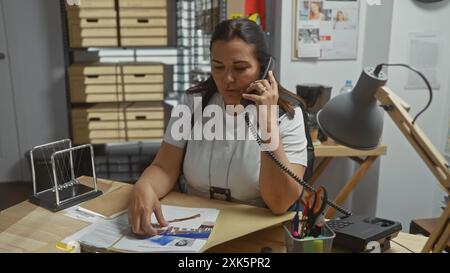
(334,73)
(37,68)
(407,189)
(399,186)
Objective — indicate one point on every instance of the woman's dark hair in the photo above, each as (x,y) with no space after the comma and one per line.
(250,32)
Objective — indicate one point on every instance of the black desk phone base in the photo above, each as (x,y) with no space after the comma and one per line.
(356,232)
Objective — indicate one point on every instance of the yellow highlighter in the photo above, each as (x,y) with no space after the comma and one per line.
(71,247)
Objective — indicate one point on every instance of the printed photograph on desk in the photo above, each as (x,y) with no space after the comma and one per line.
(188,231)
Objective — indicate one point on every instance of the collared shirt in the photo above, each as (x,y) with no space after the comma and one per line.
(234,164)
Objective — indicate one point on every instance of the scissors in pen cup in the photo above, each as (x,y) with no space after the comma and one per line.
(315,207)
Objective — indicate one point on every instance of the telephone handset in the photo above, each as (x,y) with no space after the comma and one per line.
(266,68)
(264,72)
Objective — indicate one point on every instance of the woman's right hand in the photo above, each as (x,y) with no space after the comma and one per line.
(144,202)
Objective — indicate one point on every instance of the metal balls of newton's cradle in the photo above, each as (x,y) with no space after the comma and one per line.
(55,172)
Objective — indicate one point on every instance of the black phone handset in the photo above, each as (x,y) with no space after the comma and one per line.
(266,68)
(272,156)
(264,73)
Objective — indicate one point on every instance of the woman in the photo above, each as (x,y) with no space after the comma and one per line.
(340,20)
(340,17)
(238,53)
(315,13)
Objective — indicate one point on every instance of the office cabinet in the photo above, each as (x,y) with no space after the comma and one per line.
(122,23)
(94,83)
(118,122)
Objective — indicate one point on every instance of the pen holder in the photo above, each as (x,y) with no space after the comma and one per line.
(321,244)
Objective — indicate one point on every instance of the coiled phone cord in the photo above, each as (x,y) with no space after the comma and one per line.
(289,171)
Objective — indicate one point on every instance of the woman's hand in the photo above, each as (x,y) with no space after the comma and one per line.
(265,93)
(144,202)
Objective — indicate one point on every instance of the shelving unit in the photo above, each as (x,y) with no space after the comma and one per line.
(115,101)
(103,39)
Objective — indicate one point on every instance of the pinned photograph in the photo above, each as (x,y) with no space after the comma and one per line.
(316,11)
(308,35)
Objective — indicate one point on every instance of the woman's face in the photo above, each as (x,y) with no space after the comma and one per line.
(315,8)
(340,16)
(234,67)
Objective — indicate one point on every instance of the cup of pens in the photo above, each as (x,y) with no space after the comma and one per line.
(309,233)
(322,243)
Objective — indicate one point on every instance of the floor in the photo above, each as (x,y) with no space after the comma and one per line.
(12,193)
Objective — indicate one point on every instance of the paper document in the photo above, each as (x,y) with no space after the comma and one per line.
(188,231)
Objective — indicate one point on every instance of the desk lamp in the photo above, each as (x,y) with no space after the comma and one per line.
(354,119)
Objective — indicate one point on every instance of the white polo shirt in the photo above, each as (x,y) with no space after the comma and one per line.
(234,164)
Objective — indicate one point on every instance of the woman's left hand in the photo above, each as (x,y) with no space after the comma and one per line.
(266,100)
(265,91)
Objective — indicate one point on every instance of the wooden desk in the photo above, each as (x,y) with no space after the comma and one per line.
(365,159)
(28,228)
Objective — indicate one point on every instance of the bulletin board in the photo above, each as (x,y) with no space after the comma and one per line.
(325,29)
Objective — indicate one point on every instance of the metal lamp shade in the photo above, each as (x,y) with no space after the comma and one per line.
(354,119)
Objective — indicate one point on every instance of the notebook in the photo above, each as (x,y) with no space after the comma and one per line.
(109,206)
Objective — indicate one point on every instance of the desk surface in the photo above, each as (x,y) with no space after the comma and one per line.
(28,228)
(328,149)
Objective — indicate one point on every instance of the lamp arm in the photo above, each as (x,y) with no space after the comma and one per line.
(429,154)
